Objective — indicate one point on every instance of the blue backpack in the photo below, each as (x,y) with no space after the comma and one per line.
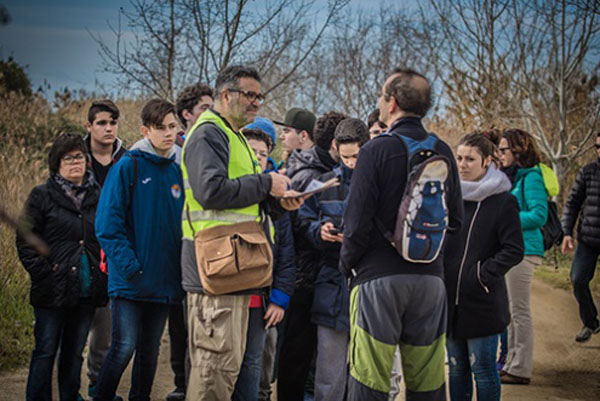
(422,215)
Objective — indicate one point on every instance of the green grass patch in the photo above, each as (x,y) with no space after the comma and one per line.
(556,268)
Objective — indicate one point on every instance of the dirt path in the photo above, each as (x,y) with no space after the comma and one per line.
(564,370)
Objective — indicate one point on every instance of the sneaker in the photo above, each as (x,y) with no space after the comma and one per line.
(176,395)
(92,392)
(586,333)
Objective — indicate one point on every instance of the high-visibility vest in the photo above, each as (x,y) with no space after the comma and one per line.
(242,161)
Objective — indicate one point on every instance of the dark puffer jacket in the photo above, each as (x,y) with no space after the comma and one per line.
(490,242)
(68,232)
(302,167)
(584,197)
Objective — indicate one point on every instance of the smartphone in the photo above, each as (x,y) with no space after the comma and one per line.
(335,231)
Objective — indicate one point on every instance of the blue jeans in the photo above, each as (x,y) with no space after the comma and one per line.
(68,327)
(477,356)
(582,272)
(248,381)
(136,327)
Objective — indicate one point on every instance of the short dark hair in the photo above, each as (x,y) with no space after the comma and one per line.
(231,75)
(351,130)
(99,106)
(259,135)
(63,144)
(374,118)
(325,128)
(409,97)
(523,146)
(189,97)
(155,111)
(484,146)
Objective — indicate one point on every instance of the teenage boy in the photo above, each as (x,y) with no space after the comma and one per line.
(104,149)
(375,126)
(300,339)
(261,339)
(138,224)
(191,102)
(321,218)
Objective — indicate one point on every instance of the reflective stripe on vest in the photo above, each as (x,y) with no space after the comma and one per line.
(242,161)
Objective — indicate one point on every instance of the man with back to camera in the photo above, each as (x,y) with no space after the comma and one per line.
(387,302)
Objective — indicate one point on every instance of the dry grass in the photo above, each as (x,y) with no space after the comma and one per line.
(19,172)
(28,125)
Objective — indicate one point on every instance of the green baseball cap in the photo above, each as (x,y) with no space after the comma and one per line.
(299,119)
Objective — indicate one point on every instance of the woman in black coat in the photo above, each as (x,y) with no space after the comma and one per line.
(487,246)
(67,284)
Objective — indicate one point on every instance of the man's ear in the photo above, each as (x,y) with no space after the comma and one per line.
(187,116)
(88,125)
(144,130)
(335,145)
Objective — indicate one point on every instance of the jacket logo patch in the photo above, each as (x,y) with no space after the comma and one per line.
(176,191)
(146,180)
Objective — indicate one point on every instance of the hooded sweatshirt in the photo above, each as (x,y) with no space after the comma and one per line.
(483,250)
(141,234)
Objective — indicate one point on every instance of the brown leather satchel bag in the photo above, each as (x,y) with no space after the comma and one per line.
(234,258)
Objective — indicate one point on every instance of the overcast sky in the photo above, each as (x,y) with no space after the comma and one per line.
(51,37)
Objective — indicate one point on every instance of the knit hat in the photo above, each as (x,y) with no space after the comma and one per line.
(265,125)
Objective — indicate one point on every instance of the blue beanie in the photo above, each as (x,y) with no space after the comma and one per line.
(265,125)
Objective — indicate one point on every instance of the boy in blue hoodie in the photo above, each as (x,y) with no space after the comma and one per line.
(321,220)
(138,224)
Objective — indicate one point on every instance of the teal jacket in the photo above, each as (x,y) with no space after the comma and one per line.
(530,191)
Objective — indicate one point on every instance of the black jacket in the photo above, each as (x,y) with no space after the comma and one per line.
(302,167)
(100,172)
(477,298)
(584,197)
(68,232)
(378,182)
(305,165)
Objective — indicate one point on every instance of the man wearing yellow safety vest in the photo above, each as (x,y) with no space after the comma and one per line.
(224,189)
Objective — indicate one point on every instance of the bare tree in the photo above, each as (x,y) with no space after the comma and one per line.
(170,44)
(524,63)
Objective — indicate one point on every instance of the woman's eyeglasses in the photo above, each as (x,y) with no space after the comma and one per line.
(70,159)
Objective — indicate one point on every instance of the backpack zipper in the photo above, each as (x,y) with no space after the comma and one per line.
(462,263)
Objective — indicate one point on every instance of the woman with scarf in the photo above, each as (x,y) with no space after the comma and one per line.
(67,284)
(487,246)
(520,161)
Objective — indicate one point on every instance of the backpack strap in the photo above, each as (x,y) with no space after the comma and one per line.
(412,147)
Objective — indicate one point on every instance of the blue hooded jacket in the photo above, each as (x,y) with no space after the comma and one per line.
(141,235)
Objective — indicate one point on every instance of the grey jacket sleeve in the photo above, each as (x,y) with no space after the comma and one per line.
(206,159)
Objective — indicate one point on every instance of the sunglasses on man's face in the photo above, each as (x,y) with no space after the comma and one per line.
(597,146)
